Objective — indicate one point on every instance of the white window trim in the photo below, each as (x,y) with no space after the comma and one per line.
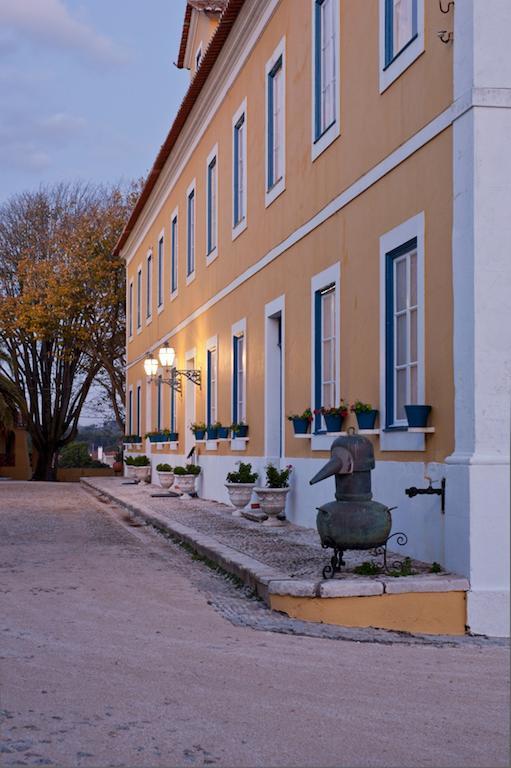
(174,215)
(237,229)
(212,343)
(149,317)
(279,187)
(131,290)
(401,440)
(239,329)
(409,54)
(318,146)
(160,307)
(329,276)
(211,256)
(139,299)
(192,188)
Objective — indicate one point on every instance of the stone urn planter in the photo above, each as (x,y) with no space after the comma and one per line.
(141,473)
(166,479)
(239,496)
(130,472)
(273,503)
(185,484)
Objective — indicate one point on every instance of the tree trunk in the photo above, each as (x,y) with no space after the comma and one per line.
(46,465)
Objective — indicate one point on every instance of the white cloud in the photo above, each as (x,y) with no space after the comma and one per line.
(49,22)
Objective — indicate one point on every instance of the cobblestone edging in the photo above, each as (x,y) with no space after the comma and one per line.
(266,579)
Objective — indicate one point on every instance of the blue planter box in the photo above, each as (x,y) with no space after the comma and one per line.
(159,438)
(212,433)
(367,419)
(241,432)
(174,437)
(223,433)
(137,439)
(301,426)
(333,423)
(200,434)
(417,415)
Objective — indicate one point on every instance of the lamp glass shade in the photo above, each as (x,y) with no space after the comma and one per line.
(167,355)
(150,366)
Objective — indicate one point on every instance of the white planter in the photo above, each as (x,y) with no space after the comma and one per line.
(130,471)
(185,484)
(239,495)
(273,503)
(141,473)
(166,479)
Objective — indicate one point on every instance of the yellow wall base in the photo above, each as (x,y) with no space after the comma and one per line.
(432,613)
(73,474)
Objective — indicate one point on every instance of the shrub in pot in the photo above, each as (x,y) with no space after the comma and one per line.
(159,436)
(240,485)
(301,421)
(132,439)
(365,413)
(165,475)
(334,417)
(239,429)
(212,430)
(223,432)
(272,498)
(199,430)
(417,415)
(141,466)
(117,465)
(184,477)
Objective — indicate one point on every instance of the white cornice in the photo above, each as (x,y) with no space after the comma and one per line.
(244,35)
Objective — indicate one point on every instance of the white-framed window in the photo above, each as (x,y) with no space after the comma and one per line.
(401,37)
(212,381)
(174,254)
(149,285)
(139,410)
(276,123)
(139,298)
(239,367)
(325,311)
(198,57)
(401,331)
(160,269)
(159,403)
(212,205)
(130,310)
(325,74)
(239,170)
(190,234)
(130,410)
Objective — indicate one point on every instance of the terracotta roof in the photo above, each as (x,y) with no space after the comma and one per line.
(208,6)
(227,19)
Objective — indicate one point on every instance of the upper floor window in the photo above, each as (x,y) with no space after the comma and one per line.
(139,410)
(325,74)
(401,37)
(212,204)
(239,170)
(173,254)
(275,128)
(149,284)
(160,271)
(139,299)
(190,245)
(130,309)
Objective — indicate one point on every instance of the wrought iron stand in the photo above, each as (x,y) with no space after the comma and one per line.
(336,561)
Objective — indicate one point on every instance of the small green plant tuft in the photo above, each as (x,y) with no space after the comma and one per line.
(404,570)
(243,475)
(368,568)
(435,568)
(277,478)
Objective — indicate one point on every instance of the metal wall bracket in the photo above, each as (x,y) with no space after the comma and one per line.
(413,491)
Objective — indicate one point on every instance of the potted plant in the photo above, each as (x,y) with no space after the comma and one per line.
(132,439)
(117,465)
(212,430)
(142,466)
(223,432)
(199,429)
(365,413)
(417,415)
(185,479)
(272,498)
(333,417)
(130,466)
(159,436)
(301,421)
(240,485)
(239,429)
(165,475)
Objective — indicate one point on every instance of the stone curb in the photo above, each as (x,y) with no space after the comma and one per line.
(264,579)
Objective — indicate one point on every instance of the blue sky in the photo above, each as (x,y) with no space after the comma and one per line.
(88,88)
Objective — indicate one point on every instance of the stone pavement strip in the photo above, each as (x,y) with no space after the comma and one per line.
(285,560)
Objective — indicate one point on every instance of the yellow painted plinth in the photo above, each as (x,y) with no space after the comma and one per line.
(432,613)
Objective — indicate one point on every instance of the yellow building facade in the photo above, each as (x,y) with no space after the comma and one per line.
(294,244)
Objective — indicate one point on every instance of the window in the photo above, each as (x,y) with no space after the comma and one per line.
(139,408)
(401,37)
(326,73)
(160,271)
(130,411)
(139,299)
(130,310)
(239,372)
(149,284)
(239,171)
(400,26)
(212,388)
(198,57)
(190,246)
(173,407)
(401,332)
(212,203)
(173,255)
(325,350)
(159,404)
(275,128)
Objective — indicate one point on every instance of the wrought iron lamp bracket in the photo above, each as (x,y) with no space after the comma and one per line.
(173,378)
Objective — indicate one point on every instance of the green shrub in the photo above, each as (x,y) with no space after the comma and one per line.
(243,475)
(76,455)
(190,469)
(278,478)
(163,468)
(137,461)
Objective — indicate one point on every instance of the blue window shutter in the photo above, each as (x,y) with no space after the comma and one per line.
(317,358)
(209,207)
(235,379)
(236,179)
(389,23)
(208,390)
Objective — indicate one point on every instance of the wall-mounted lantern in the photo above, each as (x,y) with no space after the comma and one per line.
(171,376)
